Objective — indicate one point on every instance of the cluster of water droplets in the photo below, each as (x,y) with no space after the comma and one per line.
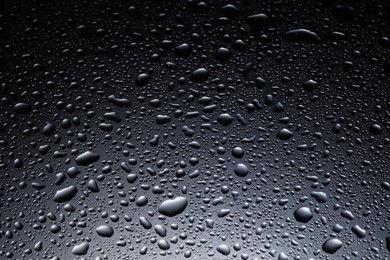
(194,129)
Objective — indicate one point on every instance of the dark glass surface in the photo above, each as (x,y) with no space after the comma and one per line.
(194,129)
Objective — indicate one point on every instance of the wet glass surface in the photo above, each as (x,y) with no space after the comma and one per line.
(194,130)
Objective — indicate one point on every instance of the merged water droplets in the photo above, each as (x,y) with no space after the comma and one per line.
(81,249)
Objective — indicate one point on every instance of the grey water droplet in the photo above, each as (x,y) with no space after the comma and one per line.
(200,75)
(302,35)
(303,214)
(222,54)
(238,152)
(173,207)
(38,246)
(145,223)
(65,194)
(241,170)
(284,134)
(81,249)
(22,108)
(163,244)
(320,196)
(141,201)
(87,158)
(119,102)
(93,186)
(163,119)
(225,119)
(48,129)
(375,129)
(223,249)
(309,85)
(160,230)
(331,245)
(358,231)
(257,20)
(105,231)
(142,79)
